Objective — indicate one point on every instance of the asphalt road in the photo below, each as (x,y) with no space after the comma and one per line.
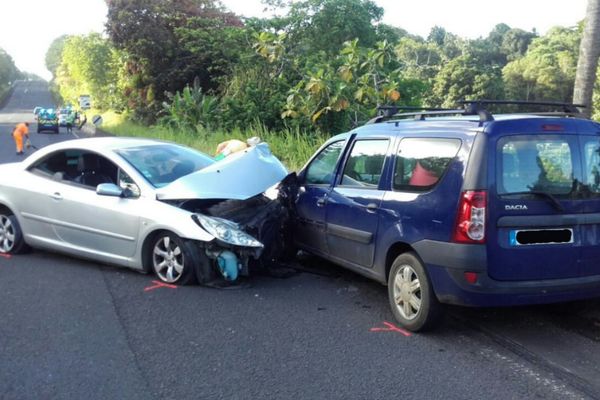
(77,329)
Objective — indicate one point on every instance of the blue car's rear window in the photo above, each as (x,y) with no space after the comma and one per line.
(591,161)
(532,163)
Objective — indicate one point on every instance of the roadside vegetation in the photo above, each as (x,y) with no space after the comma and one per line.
(292,147)
(8,73)
(191,71)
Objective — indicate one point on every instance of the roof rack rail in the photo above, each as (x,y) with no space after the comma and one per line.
(393,110)
(419,113)
(384,112)
(567,108)
(474,107)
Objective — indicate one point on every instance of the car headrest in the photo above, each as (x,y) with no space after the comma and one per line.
(87,162)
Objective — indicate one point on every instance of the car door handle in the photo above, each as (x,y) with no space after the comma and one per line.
(56,196)
(372,207)
(321,202)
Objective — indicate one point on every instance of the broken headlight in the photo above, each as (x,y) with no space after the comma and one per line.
(226,231)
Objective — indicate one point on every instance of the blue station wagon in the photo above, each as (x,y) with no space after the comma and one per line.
(473,209)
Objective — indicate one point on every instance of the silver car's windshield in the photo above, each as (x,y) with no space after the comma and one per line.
(164,163)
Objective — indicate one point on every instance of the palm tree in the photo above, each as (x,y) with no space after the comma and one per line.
(589,51)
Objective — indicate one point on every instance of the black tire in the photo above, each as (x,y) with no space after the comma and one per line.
(11,235)
(173,259)
(206,269)
(409,284)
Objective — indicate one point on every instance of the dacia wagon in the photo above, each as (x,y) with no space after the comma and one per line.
(473,209)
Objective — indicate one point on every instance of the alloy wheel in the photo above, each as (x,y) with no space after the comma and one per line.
(7,234)
(168,260)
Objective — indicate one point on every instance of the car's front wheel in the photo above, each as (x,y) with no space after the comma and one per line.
(173,259)
(11,236)
(411,296)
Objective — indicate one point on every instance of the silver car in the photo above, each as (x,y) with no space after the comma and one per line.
(143,204)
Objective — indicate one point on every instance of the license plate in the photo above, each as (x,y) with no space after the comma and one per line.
(528,237)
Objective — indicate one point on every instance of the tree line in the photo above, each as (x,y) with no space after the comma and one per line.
(8,71)
(320,65)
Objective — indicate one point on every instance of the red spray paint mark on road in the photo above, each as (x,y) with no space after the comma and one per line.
(389,327)
(159,284)
(5,255)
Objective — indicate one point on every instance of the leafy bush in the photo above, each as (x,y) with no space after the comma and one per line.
(292,146)
(190,110)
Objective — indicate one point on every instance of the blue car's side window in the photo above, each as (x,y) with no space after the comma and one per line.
(322,169)
(365,164)
(421,162)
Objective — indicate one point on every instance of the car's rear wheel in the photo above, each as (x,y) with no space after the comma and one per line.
(173,259)
(411,296)
(11,236)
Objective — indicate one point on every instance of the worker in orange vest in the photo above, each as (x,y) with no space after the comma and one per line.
(21,130)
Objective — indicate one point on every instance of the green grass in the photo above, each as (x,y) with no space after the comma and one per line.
(293,148)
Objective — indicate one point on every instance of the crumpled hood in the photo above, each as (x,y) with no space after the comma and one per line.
(240,176)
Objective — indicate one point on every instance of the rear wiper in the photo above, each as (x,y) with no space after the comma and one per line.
(538,193)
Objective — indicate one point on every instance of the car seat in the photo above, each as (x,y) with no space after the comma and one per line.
(422,177)
(89,171)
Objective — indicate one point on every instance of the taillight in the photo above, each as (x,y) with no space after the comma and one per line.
(470,221)
(471,277)
(553,127)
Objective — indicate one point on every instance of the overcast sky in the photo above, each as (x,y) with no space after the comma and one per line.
(27,27)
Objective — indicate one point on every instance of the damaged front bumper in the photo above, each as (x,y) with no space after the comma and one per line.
(254,234)
(228,200)
(232,247)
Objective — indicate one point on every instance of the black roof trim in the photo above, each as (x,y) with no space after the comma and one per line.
(386,112)
(474,107)
(421,112)
(567,108)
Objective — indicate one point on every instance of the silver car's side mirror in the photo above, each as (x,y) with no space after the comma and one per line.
(109,189)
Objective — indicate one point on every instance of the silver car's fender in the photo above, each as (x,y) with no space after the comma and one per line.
(158,216)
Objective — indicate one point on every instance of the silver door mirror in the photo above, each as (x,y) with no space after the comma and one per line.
(109,189)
